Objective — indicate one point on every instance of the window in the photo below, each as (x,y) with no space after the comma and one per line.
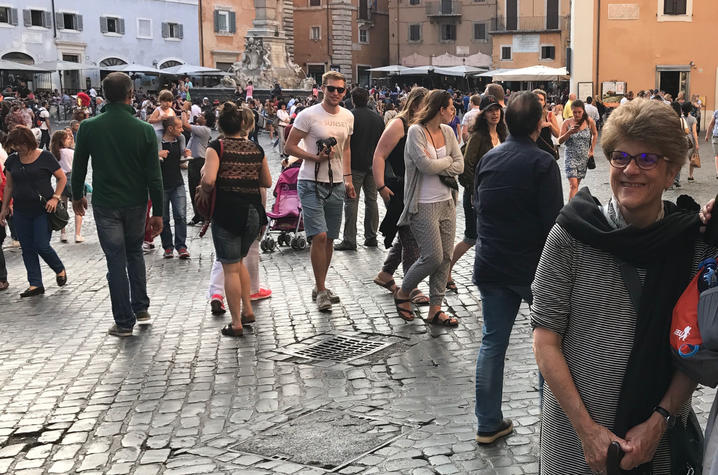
(414,32)
(363,9)
(172,31)
(674,7)
(552,14)
(112,25)
(144,28)
(225,21)
(364,36)
(480,31)
(512,15)
(548,52)
(414,2)
(506,53)
(448,32)
(315,33)
(8,15)
(315,3)
(39,18)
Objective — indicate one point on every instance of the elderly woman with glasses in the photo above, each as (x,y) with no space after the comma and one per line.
(608,279)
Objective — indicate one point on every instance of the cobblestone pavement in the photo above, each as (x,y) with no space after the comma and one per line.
(179,398)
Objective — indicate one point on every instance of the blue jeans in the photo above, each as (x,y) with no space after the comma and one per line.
(500,305)
(34,234)
(178,197)
(121,232)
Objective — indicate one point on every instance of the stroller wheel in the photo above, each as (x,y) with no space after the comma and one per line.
(283,240)
(299,243)
(271,244)
(263,245)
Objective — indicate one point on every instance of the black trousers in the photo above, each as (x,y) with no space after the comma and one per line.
(193,177)
(3,268)
(45,139)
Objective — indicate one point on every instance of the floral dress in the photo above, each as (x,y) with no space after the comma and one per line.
(577,147)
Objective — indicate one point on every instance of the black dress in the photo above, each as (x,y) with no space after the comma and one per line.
(394,180)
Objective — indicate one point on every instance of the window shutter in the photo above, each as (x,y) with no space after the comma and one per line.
(103,24)
(78,21)
(26,18)
(59,21)
(121,26)
(232,22)
(681,7)
(47,19)
(180,31)
(165,30)
(13,16)
(216,21)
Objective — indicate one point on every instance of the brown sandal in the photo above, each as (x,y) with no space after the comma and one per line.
(418,298)
(246,319)
(229,330)
(406,315)
(390,286)
(446,322)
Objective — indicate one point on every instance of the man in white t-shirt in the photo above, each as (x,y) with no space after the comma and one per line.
(194,112)
(325,176)
(591,110)
(44,119)
(468,120)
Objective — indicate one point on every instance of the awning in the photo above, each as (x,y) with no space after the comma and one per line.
(131,68)
(61,65)
(188,69)
(6,65)
(391,69)
(532,73)
(458,71)
(420,70)
(490,74)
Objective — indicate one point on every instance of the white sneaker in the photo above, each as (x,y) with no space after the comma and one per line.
(63,236)
(324,301)
(79,238)
(334,298)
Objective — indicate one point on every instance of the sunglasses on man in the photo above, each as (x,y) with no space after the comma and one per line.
(333,89)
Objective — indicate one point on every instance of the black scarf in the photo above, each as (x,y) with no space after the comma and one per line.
(665,249)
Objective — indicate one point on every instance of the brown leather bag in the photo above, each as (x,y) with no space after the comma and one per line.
(206,210)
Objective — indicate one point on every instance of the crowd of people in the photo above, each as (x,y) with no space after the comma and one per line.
(601,339)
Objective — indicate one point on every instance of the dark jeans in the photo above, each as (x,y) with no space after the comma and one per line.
(120,232)
(3,268)
(176,196)
(193,178)
(34,233)
(500,305)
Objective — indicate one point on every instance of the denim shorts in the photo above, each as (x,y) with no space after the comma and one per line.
(715,145)
(321,215)
(231,248)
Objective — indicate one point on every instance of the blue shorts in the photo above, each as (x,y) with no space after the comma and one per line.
(231,248)
(321,215)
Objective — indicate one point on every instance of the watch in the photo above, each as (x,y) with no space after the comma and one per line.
(670,419)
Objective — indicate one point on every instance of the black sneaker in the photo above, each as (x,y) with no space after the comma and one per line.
(143,316)
(119,331)
(371,242)
(345,246)
(504,429)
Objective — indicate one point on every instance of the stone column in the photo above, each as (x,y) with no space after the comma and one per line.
(341,15)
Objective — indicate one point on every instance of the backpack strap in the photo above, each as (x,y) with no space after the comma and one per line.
(213,197)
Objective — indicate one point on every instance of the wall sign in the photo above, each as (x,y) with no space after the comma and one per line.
(526,43)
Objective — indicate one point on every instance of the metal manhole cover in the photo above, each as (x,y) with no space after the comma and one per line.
(341,348)
(324,439)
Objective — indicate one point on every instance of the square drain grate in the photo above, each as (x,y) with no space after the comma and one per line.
(340,348)
(324,438)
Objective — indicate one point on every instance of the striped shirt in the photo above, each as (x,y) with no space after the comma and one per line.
(579,293)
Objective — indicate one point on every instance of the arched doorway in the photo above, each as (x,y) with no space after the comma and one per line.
(18,57)
(169,63)
(112,62)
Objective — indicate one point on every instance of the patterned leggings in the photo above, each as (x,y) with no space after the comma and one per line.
(434,228)
(404,251)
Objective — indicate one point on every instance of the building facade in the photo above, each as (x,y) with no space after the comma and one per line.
(160,33)
(645,44)
(350,36)
(422,29)
(223,28)
(531,32)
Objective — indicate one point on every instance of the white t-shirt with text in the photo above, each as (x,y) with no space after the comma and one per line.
(318,124)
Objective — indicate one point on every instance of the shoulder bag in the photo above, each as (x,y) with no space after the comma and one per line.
(447,180)
(59,218)
(206,210)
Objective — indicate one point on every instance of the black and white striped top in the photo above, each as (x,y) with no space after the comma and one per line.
(579,293)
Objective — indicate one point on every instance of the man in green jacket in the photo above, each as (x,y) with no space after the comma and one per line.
(125,170)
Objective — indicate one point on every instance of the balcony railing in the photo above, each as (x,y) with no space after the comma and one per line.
(529,24)
(443,9)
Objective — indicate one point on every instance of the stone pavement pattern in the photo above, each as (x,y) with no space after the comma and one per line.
(179,398)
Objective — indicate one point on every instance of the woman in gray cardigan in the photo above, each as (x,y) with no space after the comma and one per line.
(433,160)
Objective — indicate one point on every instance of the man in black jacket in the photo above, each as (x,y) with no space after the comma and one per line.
(368,127)
(517,198)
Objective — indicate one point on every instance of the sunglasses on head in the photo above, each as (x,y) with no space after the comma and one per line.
(645,161)
(340,90)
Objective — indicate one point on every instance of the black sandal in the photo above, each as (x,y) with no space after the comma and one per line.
(406,315)
(247,319)
(418,298)
(447,322)
(451,285)
(229,330)
(61,279)
(390,286)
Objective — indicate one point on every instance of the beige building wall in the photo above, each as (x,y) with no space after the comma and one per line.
(224,47)
(431,16)
(534,39)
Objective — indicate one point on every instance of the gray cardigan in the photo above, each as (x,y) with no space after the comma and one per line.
(418,163)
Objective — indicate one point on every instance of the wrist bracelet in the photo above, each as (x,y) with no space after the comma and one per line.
(56,197)
(381,188)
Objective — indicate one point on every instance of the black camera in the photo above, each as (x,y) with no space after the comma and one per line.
(325,144)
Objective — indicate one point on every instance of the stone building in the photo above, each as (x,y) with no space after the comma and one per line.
(222,28)
(455,29)
(159,33)
(350,36)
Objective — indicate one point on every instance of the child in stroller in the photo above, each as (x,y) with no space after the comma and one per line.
(285,216)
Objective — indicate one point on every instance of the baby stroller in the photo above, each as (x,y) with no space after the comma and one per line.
(286,214)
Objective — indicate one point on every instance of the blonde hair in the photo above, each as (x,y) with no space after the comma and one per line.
(412,103)
(649,122)
(335,75)
(165,96)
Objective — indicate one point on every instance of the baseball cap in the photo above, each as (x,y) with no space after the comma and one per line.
(488,101)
